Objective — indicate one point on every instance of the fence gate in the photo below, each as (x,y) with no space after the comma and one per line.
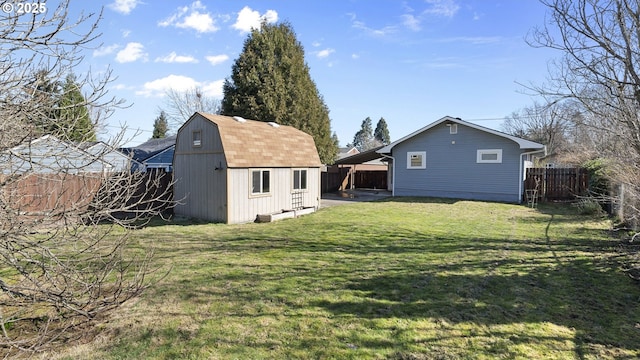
(557,183)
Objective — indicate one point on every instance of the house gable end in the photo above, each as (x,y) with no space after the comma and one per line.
(522,143)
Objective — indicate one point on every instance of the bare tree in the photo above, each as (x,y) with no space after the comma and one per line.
(182,104)
(599,67)
(65,206)
(548,124)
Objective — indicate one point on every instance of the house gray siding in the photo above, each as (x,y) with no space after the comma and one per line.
(200,173)
(452,170)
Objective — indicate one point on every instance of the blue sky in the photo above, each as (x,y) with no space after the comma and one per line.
(411,62)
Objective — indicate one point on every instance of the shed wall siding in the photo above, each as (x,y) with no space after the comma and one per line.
(451,168)
(243,207)
(199,188)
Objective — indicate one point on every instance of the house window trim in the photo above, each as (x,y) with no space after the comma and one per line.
(482,152)
(453,129)
(261,193)
(196,143)
(423,164)
(293,179)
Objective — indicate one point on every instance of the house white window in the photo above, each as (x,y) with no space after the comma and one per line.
(300,179)
(416,160)
(453,129)
(489,156)
(197,138)
(260,182)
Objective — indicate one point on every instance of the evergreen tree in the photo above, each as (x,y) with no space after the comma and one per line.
(47,92)
(160,126)
(335,139)
(381,133)
(64,112)
(71,116)
(363,140)
(270,81)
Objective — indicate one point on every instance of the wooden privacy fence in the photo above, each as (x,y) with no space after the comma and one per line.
(43,194)
(553,184)
(48,193)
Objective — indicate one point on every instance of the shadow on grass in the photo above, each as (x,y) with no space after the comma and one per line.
(363,270)
(588,295)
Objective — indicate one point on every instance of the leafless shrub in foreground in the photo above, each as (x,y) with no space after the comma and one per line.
(67,203)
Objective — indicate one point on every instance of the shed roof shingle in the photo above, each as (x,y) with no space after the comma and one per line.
(258,144)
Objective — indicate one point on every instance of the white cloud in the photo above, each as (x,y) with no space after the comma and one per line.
(213,89)
(175,58)
(217,59)
(474,40)
(446,8)
(355,56)
(411,22)
(159,87)
(325,53)
(193,17)
(121,87)
(132,52)
(251,19)
(360,25)
(105,50)
(124,6)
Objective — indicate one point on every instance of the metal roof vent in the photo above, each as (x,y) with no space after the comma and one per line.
(275,125)
(240,119)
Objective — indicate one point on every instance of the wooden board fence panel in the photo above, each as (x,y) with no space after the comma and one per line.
(46,193)
(555,184)
(50,193)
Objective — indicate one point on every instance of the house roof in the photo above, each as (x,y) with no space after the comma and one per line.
(48,154)
(524,144)
(150,148)
(360,158)
(250,143)
(344,152)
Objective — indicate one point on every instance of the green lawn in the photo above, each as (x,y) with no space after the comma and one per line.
(397,279)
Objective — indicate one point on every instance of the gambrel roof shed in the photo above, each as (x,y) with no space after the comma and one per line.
(230,169)
(250,143)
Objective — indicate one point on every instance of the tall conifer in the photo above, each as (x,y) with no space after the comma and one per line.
(270,81)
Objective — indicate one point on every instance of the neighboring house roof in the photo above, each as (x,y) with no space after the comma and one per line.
(360,158)
(150,148)
(162,158)
(344,152)
(524,144)
(250,143)
(48,154)
(119,160)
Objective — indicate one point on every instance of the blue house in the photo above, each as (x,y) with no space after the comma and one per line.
(452,158)
(153,154)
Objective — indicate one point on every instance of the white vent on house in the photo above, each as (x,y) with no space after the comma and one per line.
(239,119)
(275,125)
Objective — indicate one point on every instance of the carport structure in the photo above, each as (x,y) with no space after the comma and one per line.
(365,170)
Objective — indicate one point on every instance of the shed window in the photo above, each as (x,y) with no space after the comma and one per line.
(489,156)
(260,180)
(416,160)
(197,138)
(300,179)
